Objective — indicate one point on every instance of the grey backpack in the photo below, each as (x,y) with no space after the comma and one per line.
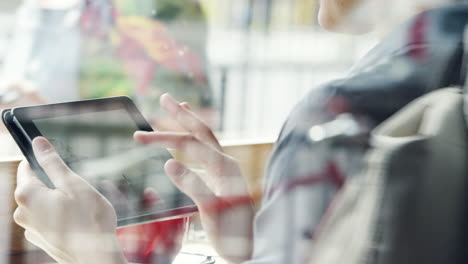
(408,206)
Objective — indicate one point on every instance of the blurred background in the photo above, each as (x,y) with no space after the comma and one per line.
(241,64)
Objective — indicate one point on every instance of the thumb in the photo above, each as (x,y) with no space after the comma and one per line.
(189,182)
(51,163)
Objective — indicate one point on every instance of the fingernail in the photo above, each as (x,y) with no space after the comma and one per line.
(174,168)
(186,105)
(142,133)
(41,144)
(170,102)
(179,171)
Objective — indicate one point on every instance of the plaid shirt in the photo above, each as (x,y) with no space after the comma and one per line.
(422,55)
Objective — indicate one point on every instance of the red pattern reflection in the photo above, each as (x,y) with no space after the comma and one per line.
(157,242)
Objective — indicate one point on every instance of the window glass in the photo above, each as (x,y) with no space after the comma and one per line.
(241,64)
(233,131)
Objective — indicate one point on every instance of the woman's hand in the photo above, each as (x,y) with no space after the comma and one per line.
(220,192)
(72,223)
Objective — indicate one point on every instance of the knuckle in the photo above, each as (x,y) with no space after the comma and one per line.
(51,160)
(48,162)
(29,237)
(229,160)
(201,134)
(187,180)
(186,141)
(19,217)
(96,196)
(179,113)
(191,138)
(22,194)
(231,163)
(23,166)
(87,192)
(46,158)
(200,128)
(220,158)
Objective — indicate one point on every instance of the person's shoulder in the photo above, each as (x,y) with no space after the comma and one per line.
(318,105)
(409,62)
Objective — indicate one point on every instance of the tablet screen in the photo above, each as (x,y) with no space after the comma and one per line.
(99,147)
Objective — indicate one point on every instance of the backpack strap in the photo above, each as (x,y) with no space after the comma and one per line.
(464,67)
(464,72)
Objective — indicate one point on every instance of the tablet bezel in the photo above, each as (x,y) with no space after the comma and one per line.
(24,145)
(25,117)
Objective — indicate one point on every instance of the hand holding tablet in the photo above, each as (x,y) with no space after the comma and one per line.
(72,223)
(95,140)
(217,190)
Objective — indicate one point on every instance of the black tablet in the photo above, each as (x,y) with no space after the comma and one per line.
(95,139)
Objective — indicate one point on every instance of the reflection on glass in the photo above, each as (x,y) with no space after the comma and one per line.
(99,147)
